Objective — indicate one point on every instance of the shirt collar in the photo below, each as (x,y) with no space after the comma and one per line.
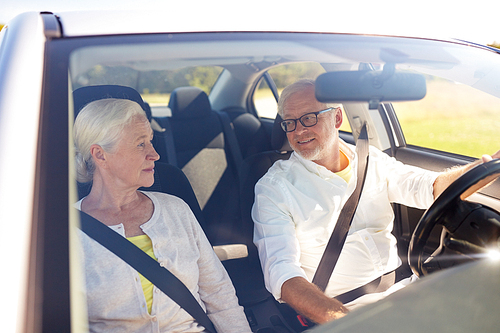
(321,170)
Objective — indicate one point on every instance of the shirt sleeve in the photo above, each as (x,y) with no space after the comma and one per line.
(274,234)
(408,185)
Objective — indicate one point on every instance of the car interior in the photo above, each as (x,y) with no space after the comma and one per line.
(223,208)
(214,146)
(217,206)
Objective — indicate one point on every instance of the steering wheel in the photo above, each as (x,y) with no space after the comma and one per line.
(450,210)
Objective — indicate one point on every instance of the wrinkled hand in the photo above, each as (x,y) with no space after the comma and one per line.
(449,176)
(484,182)
(487,158)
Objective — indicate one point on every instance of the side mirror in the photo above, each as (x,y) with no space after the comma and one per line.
(370,86)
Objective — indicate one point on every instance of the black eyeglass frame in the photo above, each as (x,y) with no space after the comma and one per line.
(283,123)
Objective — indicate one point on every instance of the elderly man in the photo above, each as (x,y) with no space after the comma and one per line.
(298,201)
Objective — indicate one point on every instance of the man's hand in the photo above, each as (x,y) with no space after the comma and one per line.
(487,158)
(310,301)
(450,175)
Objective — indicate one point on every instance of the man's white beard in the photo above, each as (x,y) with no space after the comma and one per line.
(311,155)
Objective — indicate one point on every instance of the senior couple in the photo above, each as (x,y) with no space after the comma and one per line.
(296,206)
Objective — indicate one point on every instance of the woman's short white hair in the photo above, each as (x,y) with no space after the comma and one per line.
(100,122)
(296,87)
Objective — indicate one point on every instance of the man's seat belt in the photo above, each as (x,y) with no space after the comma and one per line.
(147,266)
(339,234)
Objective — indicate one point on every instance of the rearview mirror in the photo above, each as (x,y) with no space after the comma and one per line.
(370,86)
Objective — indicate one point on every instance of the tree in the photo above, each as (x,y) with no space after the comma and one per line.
(288,74)
(495,44)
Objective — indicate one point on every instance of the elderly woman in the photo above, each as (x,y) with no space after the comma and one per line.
(114,151)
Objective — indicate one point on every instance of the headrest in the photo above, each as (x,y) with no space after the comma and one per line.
(84,95)
(279,141)
(188,103)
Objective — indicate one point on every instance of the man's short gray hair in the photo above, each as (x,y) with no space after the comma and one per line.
(296,87)
(290,90)
(100,122)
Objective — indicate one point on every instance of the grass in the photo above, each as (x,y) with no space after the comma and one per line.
(156,98)
(453,118)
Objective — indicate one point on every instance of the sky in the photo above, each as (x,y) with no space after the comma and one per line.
(473,21)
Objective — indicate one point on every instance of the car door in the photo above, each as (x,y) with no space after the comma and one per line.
(453,125)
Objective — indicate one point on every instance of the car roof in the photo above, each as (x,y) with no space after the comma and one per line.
(107,22)
(135,22)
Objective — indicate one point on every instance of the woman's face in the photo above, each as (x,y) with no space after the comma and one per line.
(131,165)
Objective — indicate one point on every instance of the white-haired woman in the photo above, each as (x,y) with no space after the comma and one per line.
(113,151)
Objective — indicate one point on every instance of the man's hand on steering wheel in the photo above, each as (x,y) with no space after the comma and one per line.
(471,228)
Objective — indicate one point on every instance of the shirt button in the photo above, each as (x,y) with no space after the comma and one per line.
(153,319)
(162,264)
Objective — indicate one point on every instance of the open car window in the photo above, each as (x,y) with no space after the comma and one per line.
(154,85)
(453,117)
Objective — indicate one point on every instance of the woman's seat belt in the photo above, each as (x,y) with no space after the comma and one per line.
(147,266)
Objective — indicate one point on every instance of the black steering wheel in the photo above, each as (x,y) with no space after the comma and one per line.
(470,225)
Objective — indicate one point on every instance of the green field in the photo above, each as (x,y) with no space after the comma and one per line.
(156,98)
(452,117)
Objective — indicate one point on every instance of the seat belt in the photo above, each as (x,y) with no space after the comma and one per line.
(165,132)
(379,285)
(147,266)
(231,139)
(339,234)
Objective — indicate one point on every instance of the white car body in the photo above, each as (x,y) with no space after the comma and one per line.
(22,71)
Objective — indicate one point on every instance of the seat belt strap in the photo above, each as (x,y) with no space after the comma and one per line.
(379,285)
(339,234)
(147,266)
(232,141)
(168,139)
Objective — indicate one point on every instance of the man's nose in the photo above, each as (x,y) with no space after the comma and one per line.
(299,128)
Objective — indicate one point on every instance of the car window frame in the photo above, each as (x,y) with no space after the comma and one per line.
(51,199)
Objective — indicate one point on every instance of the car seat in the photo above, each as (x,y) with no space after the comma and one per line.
(253,294)
(163,140)
(205,155)
(168,178)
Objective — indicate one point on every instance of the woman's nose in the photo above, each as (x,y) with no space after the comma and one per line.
(153,155)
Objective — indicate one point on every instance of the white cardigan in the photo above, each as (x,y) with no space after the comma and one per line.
(115,298)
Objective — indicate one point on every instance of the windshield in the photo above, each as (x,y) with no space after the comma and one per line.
(462,81)
(243,74)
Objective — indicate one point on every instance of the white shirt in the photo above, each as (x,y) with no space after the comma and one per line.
(296,207)
(115,298)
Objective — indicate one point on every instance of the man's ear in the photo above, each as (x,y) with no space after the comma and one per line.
(98,154)
(338,118)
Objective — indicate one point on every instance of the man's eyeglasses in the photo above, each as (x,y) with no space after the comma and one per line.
(307,120)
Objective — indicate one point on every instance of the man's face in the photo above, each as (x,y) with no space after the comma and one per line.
(318,143)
